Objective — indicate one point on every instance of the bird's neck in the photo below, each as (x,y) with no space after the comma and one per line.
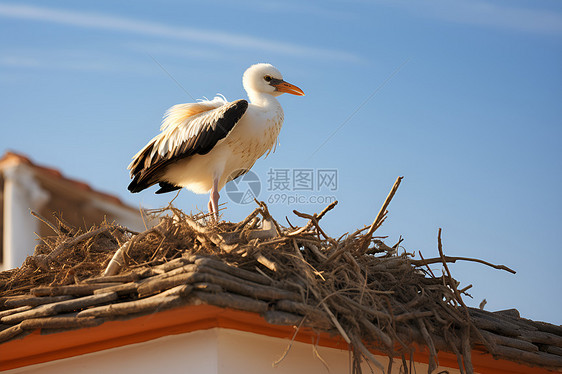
(263,99)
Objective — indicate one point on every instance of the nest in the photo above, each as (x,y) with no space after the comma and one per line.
(373,295)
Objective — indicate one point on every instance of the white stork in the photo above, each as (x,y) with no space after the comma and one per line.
(204,145)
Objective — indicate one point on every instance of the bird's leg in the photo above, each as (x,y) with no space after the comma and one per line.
(210,205)
(214,200)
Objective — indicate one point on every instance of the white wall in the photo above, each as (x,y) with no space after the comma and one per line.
(214,351)
(195,352)
(21,193)
(243,353)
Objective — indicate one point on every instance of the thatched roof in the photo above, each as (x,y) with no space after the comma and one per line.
(373,295)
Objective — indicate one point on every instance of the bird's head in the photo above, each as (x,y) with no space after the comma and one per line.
(265,78)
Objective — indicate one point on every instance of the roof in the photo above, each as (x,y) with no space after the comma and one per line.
(12,158)
(356,289)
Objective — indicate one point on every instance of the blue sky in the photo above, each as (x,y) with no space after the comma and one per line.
(460,97)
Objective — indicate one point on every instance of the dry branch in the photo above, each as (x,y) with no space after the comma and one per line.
(73,289)
(228,300)
(148,305)
(380,216)
(60,323)
(450,259)
(62,306)
(10,333)
(19,301)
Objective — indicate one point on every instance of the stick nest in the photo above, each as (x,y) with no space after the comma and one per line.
(373,295)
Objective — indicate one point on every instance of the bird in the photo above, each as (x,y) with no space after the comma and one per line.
(203,145)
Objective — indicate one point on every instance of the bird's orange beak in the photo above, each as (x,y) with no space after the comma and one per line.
(288,88)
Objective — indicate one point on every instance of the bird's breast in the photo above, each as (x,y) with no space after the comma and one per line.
(256,133)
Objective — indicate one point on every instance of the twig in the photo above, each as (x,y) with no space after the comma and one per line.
(267,217)
(311,222)
(451,259)
(424,263)
(245,221)
(45,221)
(266,262)
(380,216)
(211,235)
(327,209)
(433,352)
(359,345)
(317,354)
(278,361)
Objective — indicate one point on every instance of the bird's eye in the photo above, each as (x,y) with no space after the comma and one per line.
(267,78)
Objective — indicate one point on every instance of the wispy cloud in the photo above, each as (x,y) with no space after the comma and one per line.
(154,29)
(321,9)
(484,13)
(69,60)
(179,50)
(19,61)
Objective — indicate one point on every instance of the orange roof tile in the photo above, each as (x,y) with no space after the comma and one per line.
(12,158)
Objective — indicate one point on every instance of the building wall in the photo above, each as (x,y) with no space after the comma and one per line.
(195,352)
(214,351)
(22,192)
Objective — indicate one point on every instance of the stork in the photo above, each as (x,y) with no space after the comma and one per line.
(206,144)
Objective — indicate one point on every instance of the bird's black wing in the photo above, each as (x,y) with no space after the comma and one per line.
(197,135)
